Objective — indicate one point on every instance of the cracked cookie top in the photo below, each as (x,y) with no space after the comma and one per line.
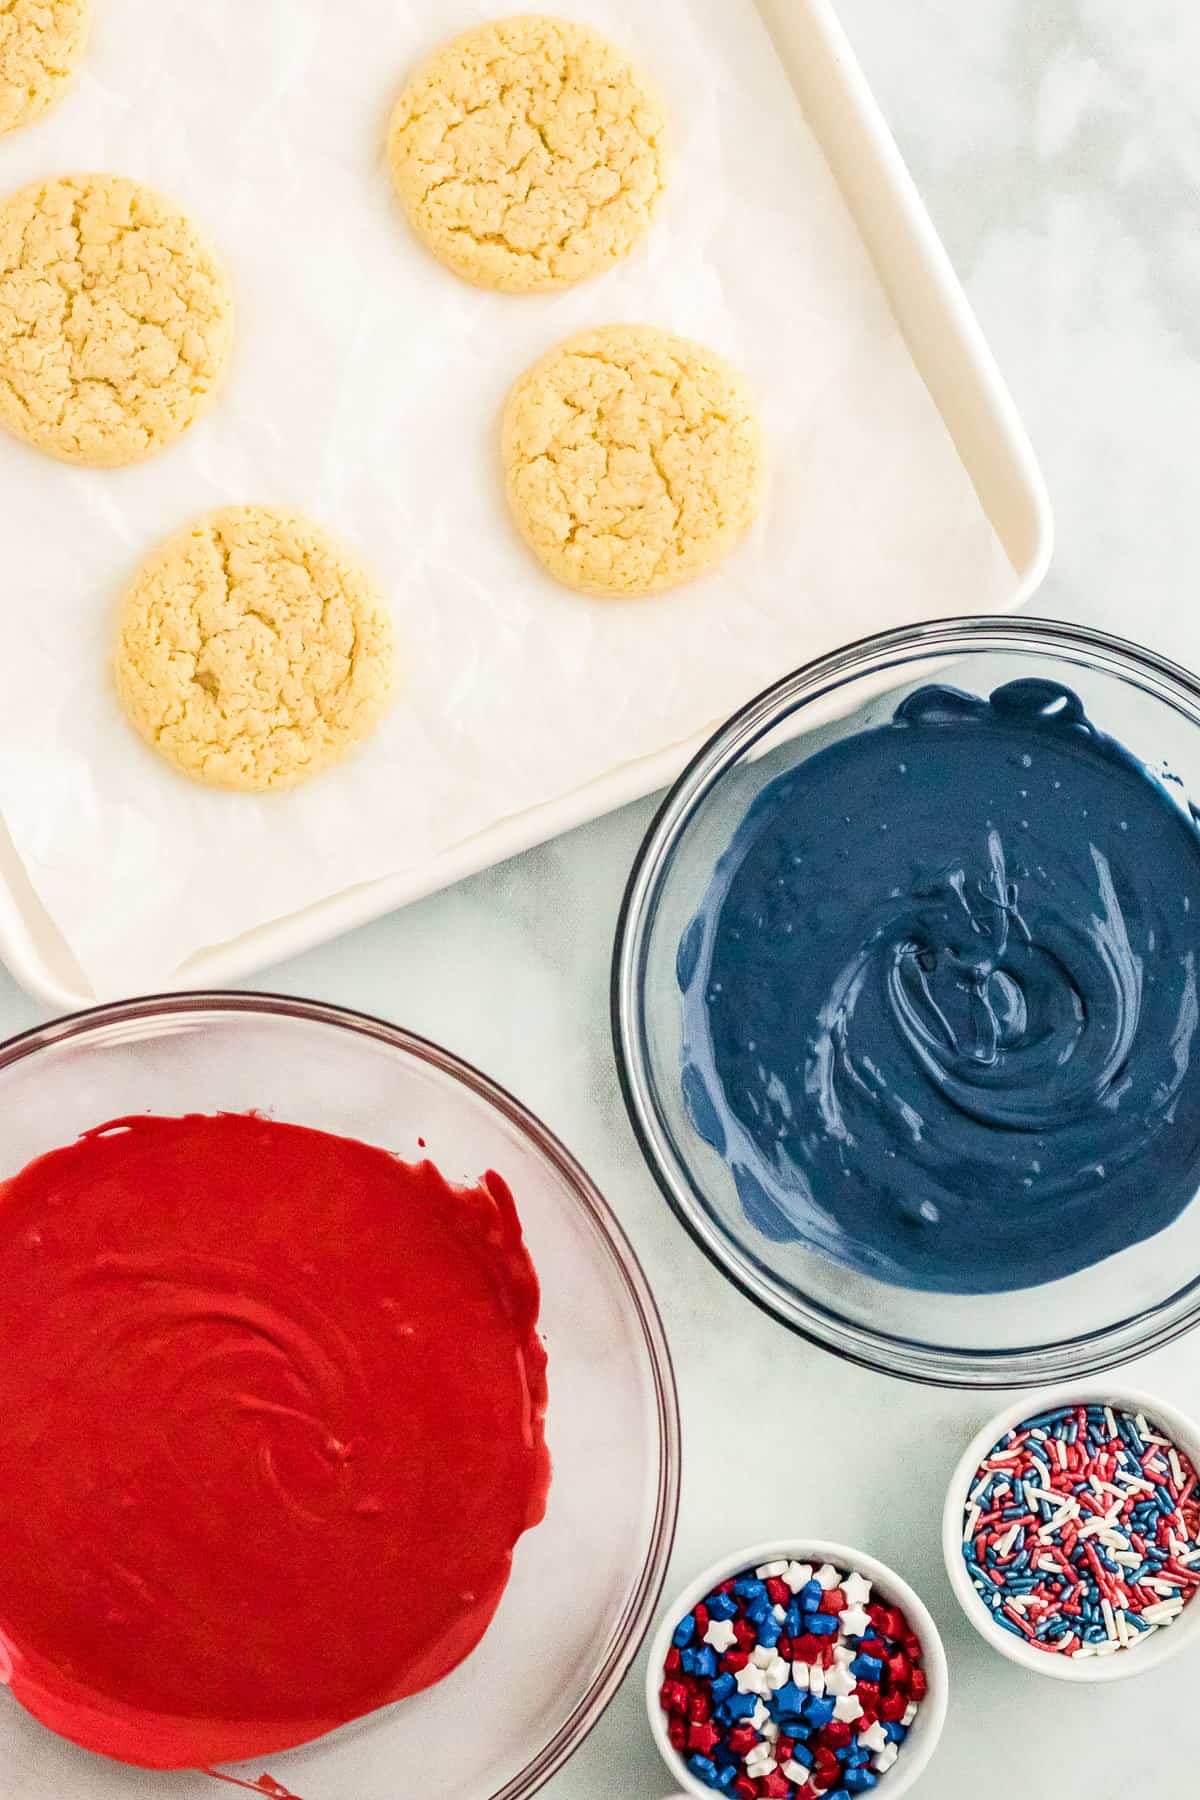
(41,44)
(529,153)
(115,319)
(252,651)
(633,459)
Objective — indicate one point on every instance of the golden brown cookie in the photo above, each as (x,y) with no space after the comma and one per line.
(41,46)
(252,651)
(115,319)
(633,459)
(529,153)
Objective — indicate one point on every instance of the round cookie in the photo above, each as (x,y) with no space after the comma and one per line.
(41,46)
(115,319)
(529,153)
(633,459)
(252,651)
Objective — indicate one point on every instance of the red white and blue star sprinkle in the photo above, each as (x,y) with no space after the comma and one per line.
(789,1682)
(1081,1531)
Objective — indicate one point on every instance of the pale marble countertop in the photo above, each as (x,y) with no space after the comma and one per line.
(1057,143)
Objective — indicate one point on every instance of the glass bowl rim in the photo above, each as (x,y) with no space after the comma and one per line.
(932,1365)
(638,1613)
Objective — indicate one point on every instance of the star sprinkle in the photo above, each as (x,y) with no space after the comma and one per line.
(808,1700)
(857,1589)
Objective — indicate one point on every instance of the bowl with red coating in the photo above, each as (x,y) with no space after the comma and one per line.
(925,1734)
(611,1425)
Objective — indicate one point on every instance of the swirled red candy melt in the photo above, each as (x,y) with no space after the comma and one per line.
(789,1682)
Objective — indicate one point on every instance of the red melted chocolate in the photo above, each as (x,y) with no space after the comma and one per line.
(271,1414)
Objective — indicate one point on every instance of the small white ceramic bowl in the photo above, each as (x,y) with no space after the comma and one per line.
(926,1730)
(1184,1631)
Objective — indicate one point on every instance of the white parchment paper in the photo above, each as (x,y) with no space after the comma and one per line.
(366,390)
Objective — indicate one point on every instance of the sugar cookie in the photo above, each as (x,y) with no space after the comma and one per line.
(41,45)
(529,153)
(632,459)
(115,319)
(252,650)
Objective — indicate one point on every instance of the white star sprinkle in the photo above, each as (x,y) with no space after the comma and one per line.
(720,1635)
(798,1575)
(857,1589)
(856,1621)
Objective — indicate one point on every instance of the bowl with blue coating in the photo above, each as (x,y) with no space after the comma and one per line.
(906,1001)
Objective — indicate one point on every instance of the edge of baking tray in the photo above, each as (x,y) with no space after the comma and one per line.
(956,365)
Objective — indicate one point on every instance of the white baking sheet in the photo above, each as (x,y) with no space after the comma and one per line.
(366,390)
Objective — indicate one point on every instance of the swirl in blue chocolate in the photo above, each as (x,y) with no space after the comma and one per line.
(940,1002)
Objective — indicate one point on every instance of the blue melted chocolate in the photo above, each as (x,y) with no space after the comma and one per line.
(940,1002)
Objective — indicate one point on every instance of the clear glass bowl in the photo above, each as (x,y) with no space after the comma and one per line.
(1116,1309)
(585,1582)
